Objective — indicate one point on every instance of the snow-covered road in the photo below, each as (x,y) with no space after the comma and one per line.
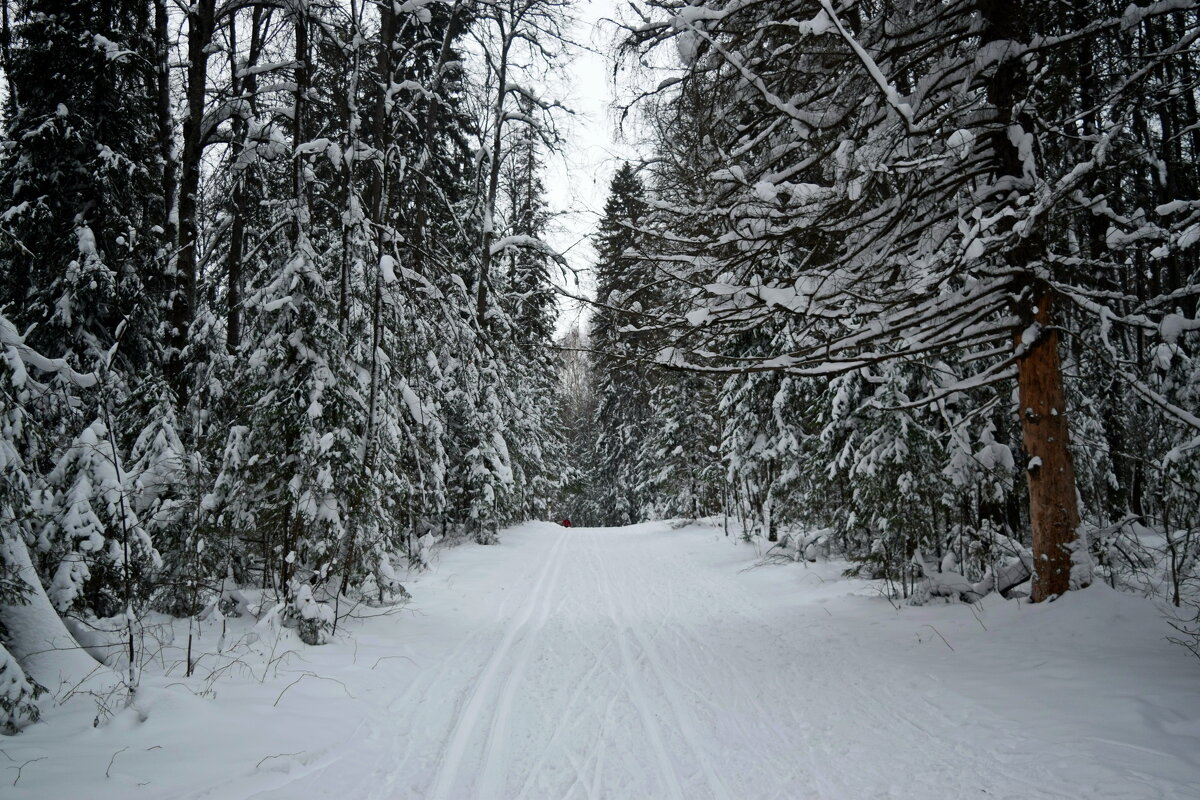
(647,662)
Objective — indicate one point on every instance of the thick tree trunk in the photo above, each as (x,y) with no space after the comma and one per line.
(166,123)
(300,124)
(1053,512)
(247,88)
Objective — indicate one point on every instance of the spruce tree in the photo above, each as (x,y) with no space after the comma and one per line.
(79,258)
(623,385)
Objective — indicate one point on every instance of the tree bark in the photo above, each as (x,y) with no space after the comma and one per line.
(166,124)
(1053,512)
(300,124)
(246,88)
(489,212)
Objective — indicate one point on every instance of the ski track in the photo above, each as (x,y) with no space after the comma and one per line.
(683,723)
(634,683)
(613,667)
(468,719)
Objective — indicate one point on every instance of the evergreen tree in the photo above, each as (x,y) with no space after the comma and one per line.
(91,539)
(623,386)
(80,255)
(527,299)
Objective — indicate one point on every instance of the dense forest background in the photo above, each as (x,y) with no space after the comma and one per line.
(911,283)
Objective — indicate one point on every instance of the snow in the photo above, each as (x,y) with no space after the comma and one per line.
(648,661)
(526,242)
(1173,325)
(961,142)
(387,266)
(86,241)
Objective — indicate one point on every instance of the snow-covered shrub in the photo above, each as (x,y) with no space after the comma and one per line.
(18,693)
(91,538)
(313,619)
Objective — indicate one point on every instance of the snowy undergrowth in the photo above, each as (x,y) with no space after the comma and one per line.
(185,730)
(1086,689)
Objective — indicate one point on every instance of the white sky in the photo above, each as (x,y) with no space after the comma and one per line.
(577,179)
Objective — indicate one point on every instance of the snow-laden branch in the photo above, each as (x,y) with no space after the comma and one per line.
(526,243)
(889,92)
(21,355)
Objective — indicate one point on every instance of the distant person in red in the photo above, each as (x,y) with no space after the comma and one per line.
(566,523)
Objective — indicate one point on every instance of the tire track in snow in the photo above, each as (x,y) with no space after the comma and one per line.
(472,711)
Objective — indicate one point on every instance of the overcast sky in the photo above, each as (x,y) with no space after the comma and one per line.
(577,180)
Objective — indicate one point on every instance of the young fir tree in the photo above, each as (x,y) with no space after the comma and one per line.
(90,539)
(623,385)
(18,692)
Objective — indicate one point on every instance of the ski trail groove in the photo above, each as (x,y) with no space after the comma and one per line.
(635,686)
(472,711)
(492,779)
(683,723)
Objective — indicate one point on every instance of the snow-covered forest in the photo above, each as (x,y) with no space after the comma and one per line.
(274,304)
(905,287)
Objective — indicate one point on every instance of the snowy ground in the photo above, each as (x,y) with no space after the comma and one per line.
(649,662)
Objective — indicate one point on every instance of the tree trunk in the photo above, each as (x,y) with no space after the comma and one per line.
(166,124)
(201,21)
(1053,513)
(247,88)
(493,185)
(300,125)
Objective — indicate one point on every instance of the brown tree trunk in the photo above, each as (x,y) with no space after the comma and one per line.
(1053,512)
(1053,515)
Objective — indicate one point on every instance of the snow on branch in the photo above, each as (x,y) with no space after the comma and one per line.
(889,91)
(25,355)
(526,243)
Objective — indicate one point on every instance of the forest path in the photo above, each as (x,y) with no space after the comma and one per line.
(642,663)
